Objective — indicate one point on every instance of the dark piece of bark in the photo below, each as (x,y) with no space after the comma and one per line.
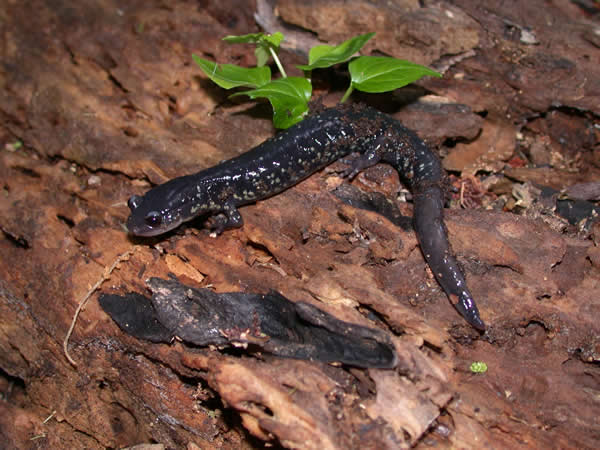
(136,316)
(584,191)
(576,212)
(269,323)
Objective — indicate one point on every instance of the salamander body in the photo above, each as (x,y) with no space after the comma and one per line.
(294,154)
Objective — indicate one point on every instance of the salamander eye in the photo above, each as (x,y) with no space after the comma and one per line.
(153,219)
(134,201)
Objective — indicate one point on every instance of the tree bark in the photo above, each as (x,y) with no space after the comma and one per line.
(100,100)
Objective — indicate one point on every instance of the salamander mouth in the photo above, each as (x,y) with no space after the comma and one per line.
(144,230)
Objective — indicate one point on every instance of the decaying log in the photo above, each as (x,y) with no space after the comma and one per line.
(100,100)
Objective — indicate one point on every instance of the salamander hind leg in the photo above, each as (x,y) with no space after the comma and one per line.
(363,161)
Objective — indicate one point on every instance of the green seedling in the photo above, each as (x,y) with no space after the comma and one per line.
(479,367)
(289,96)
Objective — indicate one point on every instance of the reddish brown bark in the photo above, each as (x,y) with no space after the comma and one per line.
(105,100)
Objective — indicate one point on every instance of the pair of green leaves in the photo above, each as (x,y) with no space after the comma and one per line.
(289,96)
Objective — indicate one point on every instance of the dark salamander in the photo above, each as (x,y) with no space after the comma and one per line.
(294,154)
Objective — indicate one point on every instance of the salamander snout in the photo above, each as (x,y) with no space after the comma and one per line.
(134,202)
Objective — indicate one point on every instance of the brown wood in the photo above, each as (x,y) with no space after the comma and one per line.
(99,99)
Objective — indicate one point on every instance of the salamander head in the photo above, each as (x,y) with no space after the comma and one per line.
(161,209)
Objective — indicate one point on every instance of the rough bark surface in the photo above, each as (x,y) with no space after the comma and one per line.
(99,100)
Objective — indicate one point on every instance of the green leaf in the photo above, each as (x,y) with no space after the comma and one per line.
(264,44)
(288,96)
(251,38)
(323,56)
(229,76)
(382,74)
(274,39)
(262,56)
(479,367)
(256,38)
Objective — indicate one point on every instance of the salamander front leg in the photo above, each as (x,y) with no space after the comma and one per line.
(230,217)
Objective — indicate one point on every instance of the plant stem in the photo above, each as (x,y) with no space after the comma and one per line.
(347,94)
(276,59)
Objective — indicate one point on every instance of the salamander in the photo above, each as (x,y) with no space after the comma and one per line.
(294,154)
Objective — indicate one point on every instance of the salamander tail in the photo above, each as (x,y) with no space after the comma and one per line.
(468,309)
